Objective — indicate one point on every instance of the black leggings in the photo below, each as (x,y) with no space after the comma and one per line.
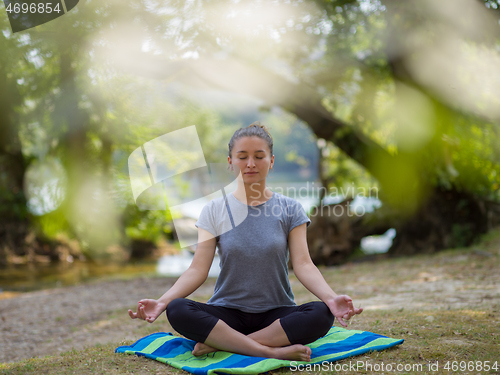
(302,324)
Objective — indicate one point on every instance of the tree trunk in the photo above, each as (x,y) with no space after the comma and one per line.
(448,219)
(13,214)
(335,232)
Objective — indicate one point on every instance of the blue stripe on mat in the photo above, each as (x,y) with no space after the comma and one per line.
(361,351)
(350,343)
(231,362)
(173,348)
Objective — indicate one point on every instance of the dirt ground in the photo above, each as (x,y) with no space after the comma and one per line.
(50,321)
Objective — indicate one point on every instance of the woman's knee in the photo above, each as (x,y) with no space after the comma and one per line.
(314,321)
(176,310)
(190,319)
(323,317)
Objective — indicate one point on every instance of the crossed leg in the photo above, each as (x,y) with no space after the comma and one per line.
(215,328)
(272,336)
(259,344)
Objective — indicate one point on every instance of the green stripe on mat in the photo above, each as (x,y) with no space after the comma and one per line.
(155,344)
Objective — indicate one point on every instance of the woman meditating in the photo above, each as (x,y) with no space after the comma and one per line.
(252,311)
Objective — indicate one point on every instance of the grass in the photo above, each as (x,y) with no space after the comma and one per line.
(98,359)
(438,327)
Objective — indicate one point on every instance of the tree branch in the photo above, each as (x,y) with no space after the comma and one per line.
(236,76)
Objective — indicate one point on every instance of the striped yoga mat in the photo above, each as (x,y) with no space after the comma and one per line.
(337,344)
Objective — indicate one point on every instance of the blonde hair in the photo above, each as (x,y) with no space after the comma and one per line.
(256,129)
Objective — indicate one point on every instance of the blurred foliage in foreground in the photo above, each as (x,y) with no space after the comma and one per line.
(400,95)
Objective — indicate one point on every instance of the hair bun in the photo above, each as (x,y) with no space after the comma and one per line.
(254,129)
(257,124)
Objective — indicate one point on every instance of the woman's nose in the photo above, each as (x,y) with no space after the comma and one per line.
(251,162)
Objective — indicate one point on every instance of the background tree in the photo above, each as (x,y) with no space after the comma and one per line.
(400,90)
(370,77)
(13,215)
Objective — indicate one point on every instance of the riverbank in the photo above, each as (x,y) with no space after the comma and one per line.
(446,306)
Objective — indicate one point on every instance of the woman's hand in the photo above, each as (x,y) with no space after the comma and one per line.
(342,308)
(148,310)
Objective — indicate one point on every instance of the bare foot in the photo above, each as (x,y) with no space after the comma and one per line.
(201,348)
(295,352)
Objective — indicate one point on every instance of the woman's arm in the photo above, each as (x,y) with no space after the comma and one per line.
(310,276)
(187,283)
(197,273)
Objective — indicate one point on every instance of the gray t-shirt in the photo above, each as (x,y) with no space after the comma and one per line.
(253,251)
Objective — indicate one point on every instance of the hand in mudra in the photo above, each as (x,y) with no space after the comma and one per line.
(148,310)
(342,308)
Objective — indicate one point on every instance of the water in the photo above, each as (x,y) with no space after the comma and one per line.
(175,265)
(378,244)
(29,277)
(26,278)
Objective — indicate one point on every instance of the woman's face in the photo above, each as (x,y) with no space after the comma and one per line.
(251,156)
